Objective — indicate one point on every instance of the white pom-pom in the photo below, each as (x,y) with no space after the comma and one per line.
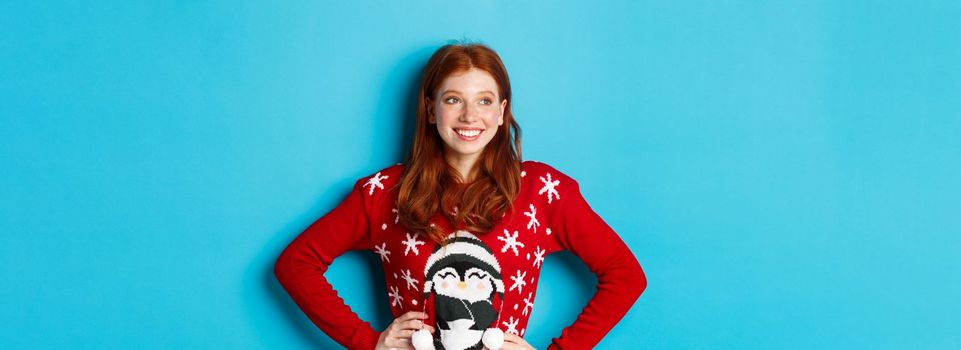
(493,338)
(422,340)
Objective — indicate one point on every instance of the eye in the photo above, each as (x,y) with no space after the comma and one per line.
(451,100)
(476,274)
(487,100)
(447,275)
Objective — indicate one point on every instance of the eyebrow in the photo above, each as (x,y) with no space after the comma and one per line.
(487,91)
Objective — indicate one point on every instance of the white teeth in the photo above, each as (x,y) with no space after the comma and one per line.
(468,133)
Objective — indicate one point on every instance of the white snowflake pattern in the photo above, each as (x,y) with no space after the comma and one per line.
(528,303)
(411,243)
(396,215)
(519,281)
(383,252)
(550,186)
(510,242)
(533,221)
(411,282)
(539,256)
(375,182)
(511,325)
(395,297)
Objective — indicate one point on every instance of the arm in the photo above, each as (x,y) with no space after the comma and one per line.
(620,277)
(301,266)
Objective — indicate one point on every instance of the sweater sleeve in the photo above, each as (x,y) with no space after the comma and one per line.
(301,266)
(620,277)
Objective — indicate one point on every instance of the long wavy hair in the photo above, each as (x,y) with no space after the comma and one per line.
(429,184)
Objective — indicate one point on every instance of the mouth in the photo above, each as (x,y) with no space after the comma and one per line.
(468,134)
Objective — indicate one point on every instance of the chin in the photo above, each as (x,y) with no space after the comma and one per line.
(467,152)
(463,152)
(460,149)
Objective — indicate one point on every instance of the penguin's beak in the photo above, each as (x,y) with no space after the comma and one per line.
(461,285)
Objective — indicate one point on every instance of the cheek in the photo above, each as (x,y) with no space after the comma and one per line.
(446,115)
(480,284)
(444,123)
(490,119)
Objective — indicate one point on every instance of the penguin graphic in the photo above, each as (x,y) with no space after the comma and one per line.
(463,277)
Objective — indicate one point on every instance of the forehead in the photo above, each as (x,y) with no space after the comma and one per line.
(471,82)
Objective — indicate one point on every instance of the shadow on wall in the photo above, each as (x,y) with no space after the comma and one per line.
(398,107)
(358,278)
(396,110)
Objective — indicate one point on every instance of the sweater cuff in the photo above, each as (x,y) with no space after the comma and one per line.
(564,345)
(367,338)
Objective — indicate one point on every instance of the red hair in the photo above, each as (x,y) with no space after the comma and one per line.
(428,184)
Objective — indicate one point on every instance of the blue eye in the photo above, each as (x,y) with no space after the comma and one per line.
(487,100)
(450,98)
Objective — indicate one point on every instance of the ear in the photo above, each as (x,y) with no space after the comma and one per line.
(500,120)
(430,111)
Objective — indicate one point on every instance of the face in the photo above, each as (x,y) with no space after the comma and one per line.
(472,284)
(467,110)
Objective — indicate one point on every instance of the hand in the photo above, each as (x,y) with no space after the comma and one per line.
(397,335)
(515,342)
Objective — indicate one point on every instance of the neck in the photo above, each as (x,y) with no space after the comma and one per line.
(463,164)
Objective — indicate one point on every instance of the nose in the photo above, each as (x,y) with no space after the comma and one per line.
(461,285)
(470,113)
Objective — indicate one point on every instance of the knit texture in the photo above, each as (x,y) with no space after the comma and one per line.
(479,280)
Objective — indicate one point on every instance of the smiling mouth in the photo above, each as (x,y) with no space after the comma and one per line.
(468,133)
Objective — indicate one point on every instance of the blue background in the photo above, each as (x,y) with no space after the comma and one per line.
(788,173)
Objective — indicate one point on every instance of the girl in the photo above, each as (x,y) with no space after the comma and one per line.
(462,228)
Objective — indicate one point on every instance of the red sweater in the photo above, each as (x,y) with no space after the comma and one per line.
(480,280)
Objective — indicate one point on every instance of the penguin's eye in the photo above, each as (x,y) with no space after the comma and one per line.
(448,273)
(475,274)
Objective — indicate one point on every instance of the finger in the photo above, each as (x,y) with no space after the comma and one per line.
(510,346)
(411,315)
(398,343)
(397,323)
(515,339)
(410,324)
(403,334)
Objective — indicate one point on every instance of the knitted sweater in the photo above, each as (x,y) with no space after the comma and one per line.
(479,280)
